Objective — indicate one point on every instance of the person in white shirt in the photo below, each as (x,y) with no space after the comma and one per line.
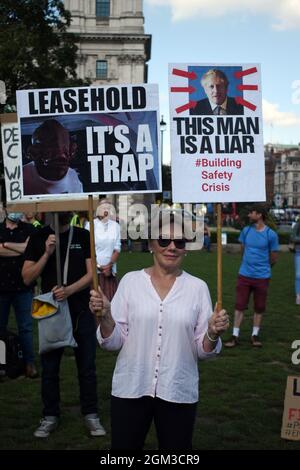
(161,320)
(108,247)
(49,171)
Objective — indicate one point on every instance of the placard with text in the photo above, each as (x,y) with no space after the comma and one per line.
(89,140)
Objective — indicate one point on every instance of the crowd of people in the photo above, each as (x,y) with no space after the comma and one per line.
(159,318)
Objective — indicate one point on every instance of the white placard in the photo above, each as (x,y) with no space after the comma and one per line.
(12,160)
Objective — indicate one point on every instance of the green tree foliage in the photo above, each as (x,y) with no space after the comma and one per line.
(36,51)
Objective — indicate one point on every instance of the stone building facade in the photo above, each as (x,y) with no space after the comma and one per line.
(287,178)
(113,47)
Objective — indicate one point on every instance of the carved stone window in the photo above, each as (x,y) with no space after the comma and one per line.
(102,9)
(101,69)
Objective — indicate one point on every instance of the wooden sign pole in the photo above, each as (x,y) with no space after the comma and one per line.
(92,241)
(57,250)
(93,251)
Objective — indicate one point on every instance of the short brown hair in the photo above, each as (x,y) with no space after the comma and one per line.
(260,209)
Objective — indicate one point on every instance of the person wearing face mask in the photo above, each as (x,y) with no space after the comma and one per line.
(14,236)
(51,153)
(40,260)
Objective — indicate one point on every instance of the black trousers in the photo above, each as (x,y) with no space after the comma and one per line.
(131,419)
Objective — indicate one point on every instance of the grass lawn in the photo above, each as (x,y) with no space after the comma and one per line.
(242,391)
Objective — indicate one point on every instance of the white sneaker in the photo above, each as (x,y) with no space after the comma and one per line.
(47,425)
(93,424)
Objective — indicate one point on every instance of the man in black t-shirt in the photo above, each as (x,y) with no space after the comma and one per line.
(40,260)
(14,235)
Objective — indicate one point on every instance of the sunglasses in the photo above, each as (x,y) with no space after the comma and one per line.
(164,242)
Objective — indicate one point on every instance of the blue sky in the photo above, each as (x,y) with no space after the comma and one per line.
(232,31)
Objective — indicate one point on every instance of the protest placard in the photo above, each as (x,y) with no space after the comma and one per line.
(89,140)
(11,157)
(291,415)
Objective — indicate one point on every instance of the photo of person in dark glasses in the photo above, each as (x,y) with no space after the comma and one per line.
(162,321)
(50,152)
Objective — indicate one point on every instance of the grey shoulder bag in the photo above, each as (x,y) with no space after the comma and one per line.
(55,323)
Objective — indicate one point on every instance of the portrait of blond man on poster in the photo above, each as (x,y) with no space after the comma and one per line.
(216,92)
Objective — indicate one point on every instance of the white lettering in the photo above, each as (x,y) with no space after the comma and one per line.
(144,142)
(124,143)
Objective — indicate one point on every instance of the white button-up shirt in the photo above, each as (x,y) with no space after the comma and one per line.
(107,240)
(160,340)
